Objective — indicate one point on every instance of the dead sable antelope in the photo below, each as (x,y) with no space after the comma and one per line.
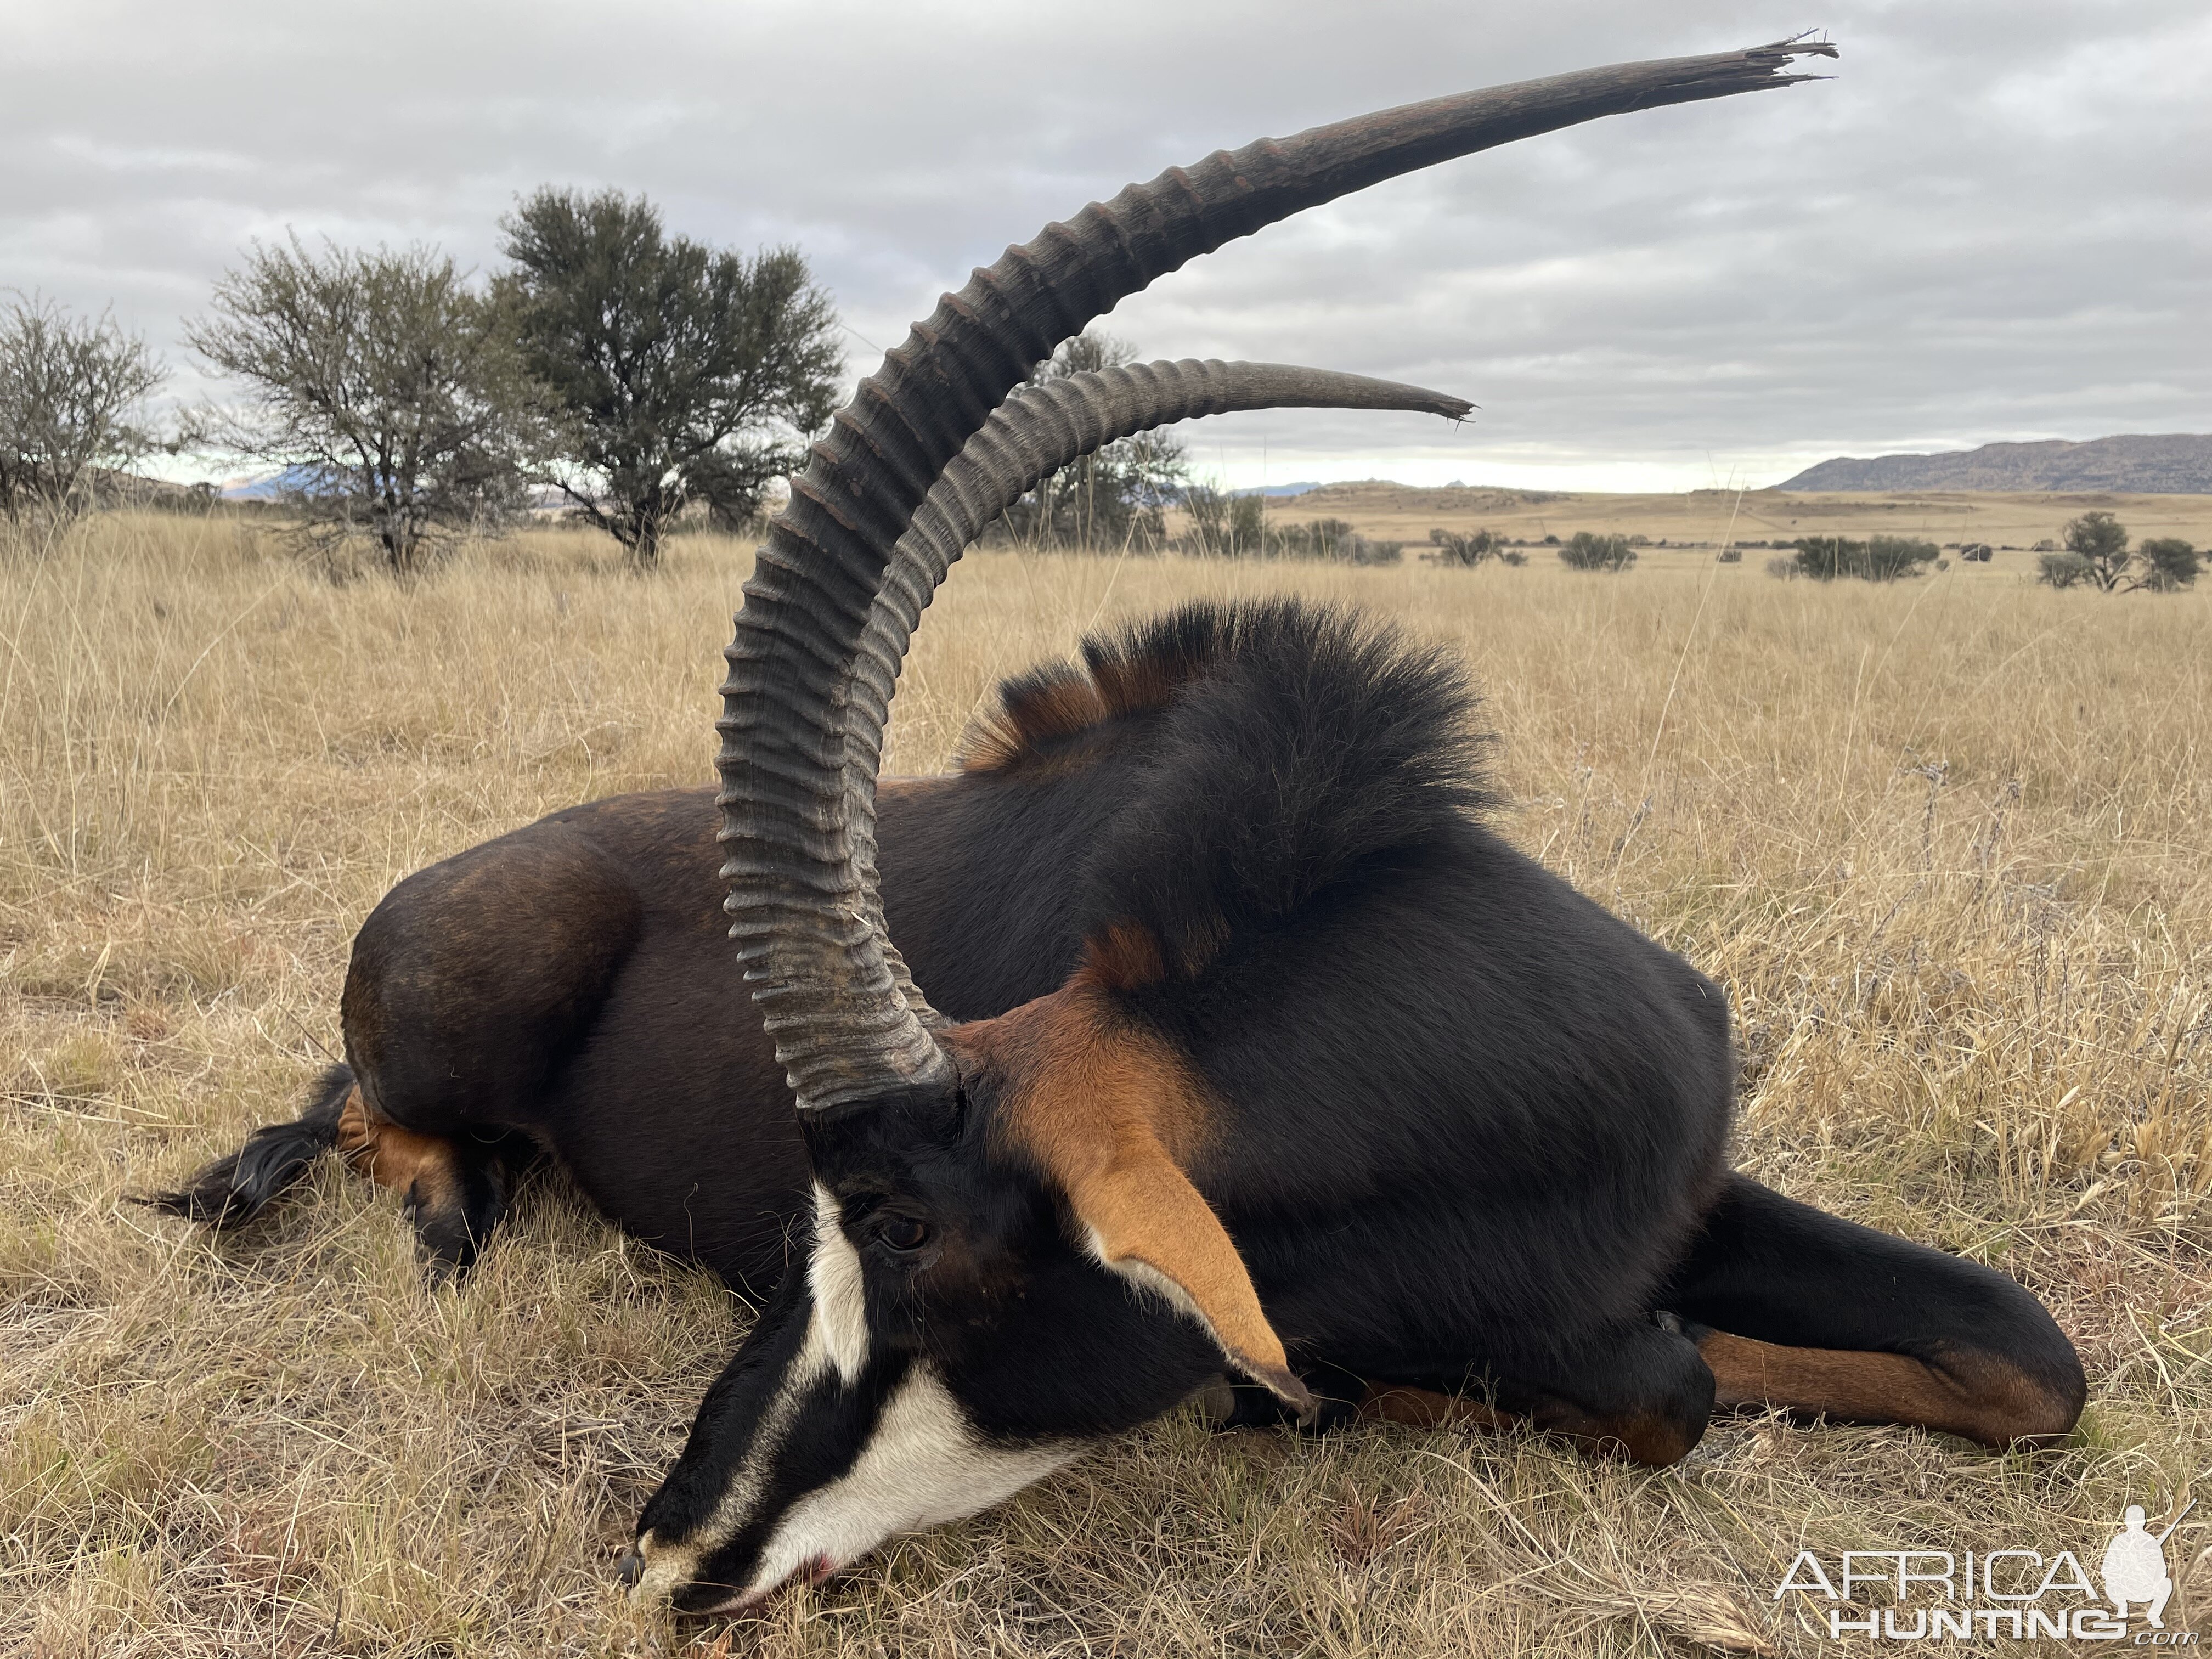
(1254,1052)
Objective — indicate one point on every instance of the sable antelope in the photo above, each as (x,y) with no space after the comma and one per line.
(1259,1053)
(558,988)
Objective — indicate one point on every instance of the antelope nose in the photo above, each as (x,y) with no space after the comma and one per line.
(631,1567)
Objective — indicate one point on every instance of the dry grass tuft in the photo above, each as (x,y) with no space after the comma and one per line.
(1946,844)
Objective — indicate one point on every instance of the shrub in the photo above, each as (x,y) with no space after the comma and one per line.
(1225,525)
(2170,563)
(1588,550)
(1888,557)
(2063,569)
(1468,547)
(1823,558)
(1728,555)
(1880,559)
(1787,569)
(1318,538)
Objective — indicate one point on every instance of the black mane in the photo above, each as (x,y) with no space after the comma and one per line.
(1285,745)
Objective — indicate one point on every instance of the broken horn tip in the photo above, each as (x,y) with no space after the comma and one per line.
(1802,44)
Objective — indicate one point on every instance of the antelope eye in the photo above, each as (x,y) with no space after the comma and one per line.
(902,1233)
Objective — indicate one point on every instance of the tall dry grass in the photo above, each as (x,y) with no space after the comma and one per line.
(1946,844)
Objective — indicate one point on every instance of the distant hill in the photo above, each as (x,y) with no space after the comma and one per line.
(2171,464)
(1273,491)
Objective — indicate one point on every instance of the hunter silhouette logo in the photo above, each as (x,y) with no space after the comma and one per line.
(2135,1566)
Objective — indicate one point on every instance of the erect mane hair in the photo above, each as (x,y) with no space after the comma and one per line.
(1286,745)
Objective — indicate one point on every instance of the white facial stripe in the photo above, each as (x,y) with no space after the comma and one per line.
(669,1568)
(923,1465)
(841,1307)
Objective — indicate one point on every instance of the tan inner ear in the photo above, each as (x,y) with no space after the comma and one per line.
(1105,1109)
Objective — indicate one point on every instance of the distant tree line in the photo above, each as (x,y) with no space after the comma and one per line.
(642,377)
(398,401)
(1235,527)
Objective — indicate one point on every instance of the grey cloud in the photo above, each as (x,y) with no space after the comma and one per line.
(1991,225)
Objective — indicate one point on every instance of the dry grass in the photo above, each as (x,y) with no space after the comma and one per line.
(1945,842)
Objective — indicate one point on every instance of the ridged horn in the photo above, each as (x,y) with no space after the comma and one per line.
(1039,429)
(800,909)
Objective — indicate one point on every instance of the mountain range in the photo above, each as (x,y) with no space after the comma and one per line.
(2167,464)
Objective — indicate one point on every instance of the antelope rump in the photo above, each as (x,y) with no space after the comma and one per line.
(1254,1063)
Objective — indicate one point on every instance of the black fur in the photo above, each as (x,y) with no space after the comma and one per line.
(1303,743)
(236,1188)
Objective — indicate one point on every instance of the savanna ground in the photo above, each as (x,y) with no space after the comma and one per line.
(1946,844)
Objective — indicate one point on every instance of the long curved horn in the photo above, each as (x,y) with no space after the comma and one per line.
(1037,430)
(842,1030)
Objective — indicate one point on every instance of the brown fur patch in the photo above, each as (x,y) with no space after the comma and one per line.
(1033,713)
(1129,956)
(424,1168)
(1642,1437)
(1971,1395)
(1113,1114)
(1424,1408)
(1130,683)
(1123,957)
(1044,709)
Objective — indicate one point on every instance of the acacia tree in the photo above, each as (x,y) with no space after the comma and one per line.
(389,394)
(2097,556)
(685,374)
(70,391)
(2101,541)
(1115,494)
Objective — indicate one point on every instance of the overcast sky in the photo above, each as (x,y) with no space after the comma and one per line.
(1993,224)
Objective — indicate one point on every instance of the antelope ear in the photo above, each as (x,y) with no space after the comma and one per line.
(1143,1219)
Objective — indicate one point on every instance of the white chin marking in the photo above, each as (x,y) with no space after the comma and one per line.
(665,1574)
(841,1307)
(669,1567)
(923,1465)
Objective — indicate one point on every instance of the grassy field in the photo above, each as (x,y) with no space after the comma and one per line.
(1948,844)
